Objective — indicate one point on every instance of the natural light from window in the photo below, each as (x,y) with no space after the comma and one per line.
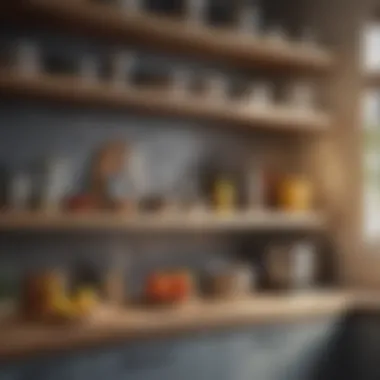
(371,146)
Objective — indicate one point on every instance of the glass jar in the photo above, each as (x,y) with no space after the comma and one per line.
(295,194)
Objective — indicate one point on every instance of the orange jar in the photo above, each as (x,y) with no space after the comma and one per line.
(295,194)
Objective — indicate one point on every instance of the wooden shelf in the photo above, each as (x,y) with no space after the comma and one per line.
(20,339)
(162,222)
(176,36)
(71,90)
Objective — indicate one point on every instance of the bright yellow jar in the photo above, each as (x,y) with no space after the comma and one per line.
(224,195)
(295,194)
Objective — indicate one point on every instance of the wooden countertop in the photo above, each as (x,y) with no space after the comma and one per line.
(366,301)
(19,339)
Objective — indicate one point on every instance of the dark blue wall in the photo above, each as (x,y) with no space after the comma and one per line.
(31,131)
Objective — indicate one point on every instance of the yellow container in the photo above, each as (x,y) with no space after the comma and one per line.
(295,194)
(224,195)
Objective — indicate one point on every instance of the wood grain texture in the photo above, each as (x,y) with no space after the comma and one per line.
(339,156)
(158,102)
(251,221)
(18,339)
(176,36)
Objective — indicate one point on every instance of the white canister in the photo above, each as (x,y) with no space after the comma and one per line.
(304,264)
(261,94)
(56,183)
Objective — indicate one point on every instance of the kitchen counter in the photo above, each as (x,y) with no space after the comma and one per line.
(20,338)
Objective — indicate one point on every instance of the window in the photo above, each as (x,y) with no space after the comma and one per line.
(371,131)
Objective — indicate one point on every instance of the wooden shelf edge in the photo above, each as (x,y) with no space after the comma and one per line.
(20,339)
(71,90)
(161,222)
(177,36)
